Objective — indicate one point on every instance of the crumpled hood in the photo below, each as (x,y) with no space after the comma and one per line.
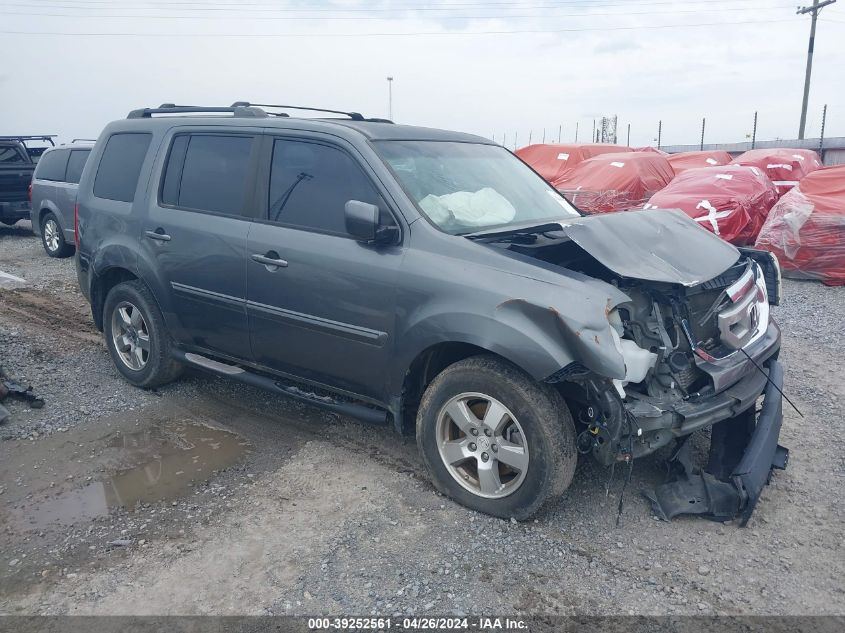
(653,245)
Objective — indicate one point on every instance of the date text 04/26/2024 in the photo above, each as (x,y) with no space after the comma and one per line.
(411,623)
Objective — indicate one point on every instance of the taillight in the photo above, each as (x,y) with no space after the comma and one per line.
(29,192)
(76,224)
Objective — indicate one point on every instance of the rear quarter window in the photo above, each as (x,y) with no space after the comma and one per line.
(75,165)
(52,165)
(120,166)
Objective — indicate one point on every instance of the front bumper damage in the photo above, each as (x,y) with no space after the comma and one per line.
(744,450)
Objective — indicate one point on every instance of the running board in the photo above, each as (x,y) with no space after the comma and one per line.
(358,411)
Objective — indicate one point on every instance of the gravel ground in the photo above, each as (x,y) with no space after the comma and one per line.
(320,514)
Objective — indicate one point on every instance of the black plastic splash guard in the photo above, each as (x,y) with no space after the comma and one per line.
(742,457)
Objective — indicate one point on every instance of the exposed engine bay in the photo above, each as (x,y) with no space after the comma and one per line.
(694,352)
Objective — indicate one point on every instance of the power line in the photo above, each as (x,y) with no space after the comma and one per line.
(394,9)
(368,17)
(397,5)
(402,34)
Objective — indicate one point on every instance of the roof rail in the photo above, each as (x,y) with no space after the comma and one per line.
(355,116)
(39,137)
(171,108)
(84,140)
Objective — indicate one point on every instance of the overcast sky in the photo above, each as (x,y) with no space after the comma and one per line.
(496,67)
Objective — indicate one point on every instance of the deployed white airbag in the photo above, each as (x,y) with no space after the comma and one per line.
(486,207)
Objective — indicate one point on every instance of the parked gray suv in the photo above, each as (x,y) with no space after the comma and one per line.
(53,191)
(432,281)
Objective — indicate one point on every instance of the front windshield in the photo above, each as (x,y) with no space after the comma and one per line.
(469,187)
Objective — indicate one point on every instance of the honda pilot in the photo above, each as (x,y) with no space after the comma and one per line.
(430,281)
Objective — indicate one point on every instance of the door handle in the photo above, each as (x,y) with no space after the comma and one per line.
(271,259)
(158,234)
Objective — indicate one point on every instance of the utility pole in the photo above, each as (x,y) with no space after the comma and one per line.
(659,132)
(703,122)
(817,6)
(629,135)
(576,131)
(390,98)
(559,131)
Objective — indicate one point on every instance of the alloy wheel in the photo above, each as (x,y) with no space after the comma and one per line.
(482,445)
(130,335)
(51,235)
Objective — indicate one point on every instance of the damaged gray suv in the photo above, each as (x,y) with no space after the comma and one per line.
(432,282)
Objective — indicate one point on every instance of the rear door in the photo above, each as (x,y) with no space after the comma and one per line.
(65,192)
(196,232)
(326,312)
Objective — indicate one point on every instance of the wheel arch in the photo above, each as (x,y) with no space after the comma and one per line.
(102,283)
(47,206)
(425,367)
(118,261)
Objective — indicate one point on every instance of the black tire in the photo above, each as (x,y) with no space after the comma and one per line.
(159,368)
(549,434)
(62,249)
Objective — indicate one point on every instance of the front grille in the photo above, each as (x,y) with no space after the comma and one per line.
(719,322)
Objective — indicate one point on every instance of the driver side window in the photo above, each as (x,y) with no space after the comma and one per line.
(310,184)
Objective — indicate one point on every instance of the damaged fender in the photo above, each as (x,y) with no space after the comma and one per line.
(541,328)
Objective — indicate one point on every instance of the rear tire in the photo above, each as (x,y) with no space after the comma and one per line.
(517,444)
(53,238)
(137,336)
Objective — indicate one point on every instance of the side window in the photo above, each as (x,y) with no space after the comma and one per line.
(173,170)
(52,165)
(311,183)
(120,166)
(75,164)
(207,172)
(9,154)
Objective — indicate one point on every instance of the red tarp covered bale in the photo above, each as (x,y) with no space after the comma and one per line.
(784,166)
(613,182)
(649,148)
(553,161)
(731,201)
(691,160)
(806,228)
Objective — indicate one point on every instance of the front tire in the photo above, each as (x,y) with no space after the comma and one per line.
(495,440)
(53,238)
(137,337)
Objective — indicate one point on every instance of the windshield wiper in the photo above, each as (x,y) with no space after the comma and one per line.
(511,234)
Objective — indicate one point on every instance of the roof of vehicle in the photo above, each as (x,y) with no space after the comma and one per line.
(75,144)
(243,114)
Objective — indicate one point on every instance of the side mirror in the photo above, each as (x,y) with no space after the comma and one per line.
(361,220)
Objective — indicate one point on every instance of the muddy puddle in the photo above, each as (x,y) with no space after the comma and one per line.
(159,463)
